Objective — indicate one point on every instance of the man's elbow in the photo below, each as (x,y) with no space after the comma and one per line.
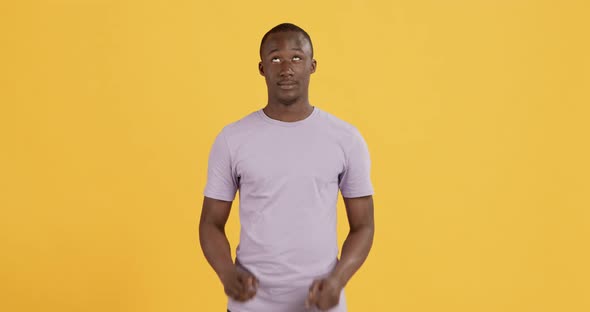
(367,227)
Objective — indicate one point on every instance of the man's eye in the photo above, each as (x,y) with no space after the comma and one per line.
(275,60)
(296,58)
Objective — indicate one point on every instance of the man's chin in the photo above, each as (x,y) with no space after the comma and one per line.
(287,99)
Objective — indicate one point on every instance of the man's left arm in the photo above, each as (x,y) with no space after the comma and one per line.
(325,293)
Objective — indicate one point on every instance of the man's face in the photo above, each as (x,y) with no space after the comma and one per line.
(286,65)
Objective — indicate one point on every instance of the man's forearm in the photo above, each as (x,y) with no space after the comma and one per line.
(355,250)
(216,248)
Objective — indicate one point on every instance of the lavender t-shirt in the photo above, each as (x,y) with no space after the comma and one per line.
(288,174)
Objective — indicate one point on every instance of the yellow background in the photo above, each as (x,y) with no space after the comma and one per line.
(476,115)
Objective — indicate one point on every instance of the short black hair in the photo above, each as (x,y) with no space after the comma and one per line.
(285,27)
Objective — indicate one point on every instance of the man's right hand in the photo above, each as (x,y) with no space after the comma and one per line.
(239,284)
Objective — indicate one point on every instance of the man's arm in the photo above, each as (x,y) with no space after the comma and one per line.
(358,243)
(238,283)
(325,293)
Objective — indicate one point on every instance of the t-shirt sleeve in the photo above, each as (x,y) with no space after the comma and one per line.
(221,180)
(355,180)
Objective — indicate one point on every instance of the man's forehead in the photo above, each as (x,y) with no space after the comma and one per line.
(289,39)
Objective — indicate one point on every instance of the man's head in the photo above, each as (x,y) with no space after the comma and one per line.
(286,27)
(286,62)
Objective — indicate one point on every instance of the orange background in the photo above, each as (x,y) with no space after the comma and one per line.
(476,115)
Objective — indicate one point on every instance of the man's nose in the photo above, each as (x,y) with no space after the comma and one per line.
(286,69)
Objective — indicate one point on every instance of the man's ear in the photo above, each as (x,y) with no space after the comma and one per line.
(314,64)
(261,68)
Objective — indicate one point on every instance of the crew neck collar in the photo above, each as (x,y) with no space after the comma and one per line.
(265,117)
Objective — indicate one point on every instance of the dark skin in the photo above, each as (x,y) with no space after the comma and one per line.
(325,293)
(238,283)
(287,63)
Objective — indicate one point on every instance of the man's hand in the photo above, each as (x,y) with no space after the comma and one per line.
(239,284)
(324,294)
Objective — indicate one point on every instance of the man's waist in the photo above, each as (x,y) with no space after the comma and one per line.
(283,274)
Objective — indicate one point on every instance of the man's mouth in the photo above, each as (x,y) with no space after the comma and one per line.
(286,85)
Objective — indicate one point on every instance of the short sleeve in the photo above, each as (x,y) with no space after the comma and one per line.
(355,180)
(221,180)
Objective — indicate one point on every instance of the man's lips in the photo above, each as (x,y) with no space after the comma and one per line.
(289,82)
(286,85)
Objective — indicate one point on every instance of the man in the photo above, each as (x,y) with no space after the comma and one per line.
(288,160)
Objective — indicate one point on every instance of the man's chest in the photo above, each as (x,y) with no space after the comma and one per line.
(266,160)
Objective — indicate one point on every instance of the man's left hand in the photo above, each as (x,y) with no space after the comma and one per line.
(324,294)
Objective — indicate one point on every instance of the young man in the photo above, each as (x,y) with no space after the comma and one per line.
(288,160)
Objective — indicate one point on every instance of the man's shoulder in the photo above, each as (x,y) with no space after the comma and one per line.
(338,125)
(241,125)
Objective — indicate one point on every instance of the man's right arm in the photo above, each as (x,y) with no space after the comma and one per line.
(238,283)
(212,236)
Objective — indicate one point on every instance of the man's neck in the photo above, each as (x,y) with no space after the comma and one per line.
(288,113)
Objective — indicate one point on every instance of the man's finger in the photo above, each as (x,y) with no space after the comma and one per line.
(239,287)
(236,289)
(313,294)
(250,289)
(255,283)
(247,288)
(246,294)
(232,294)
(250,283)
